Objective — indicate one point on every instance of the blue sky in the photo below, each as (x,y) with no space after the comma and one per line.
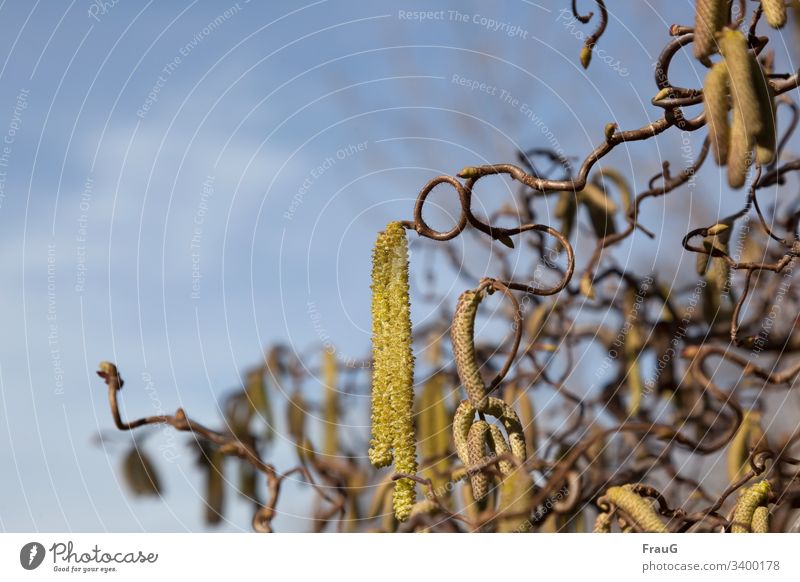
(260,145)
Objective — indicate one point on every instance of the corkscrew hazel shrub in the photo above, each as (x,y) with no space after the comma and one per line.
(393,375)
(689,406)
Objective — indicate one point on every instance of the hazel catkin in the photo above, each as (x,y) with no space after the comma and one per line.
(637,508)
(476,453)
(462,333)
(710,17)
(739,62)
(393,376)
(774,12)
(749,500)
(716,103)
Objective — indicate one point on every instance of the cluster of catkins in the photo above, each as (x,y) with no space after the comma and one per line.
(739,101)
(636,510)
(474,439)
(393,437)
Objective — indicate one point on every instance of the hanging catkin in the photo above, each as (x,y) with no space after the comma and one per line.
(476,453)
(710,17)
(637,508)
(516,396)
(760,523)
(393,376)
(462,333)
(774,12)
(380,452)
(716,102)
(740,155)
(330,404)
(739,62)
(462,421)
(748,435)
(433,424)
(766,139)
(746,506)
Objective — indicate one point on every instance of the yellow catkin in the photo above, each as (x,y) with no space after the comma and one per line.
(296,416)
(140,473)
(717,238)
(518,398)
(433,431)
(600,208)
(388,521)
(256,390)
(476,454)
(746,506)
(615,177)
(760,523)
(516,489)
(468,501)
(737,450)
(393,376)
(380,452)
(211,459)
(767,138)
(356,485)
(536,323)
(510,421)
(462,421)
(710,17)
(462,334)
(741,75)
(425,429)
(716,102)
(637,508)
(739,151)
(774,12)
(379,496)
(566,210)
(259,401)
(330,403)
(499,446)
(248,482)
(633,345)
(596,454)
